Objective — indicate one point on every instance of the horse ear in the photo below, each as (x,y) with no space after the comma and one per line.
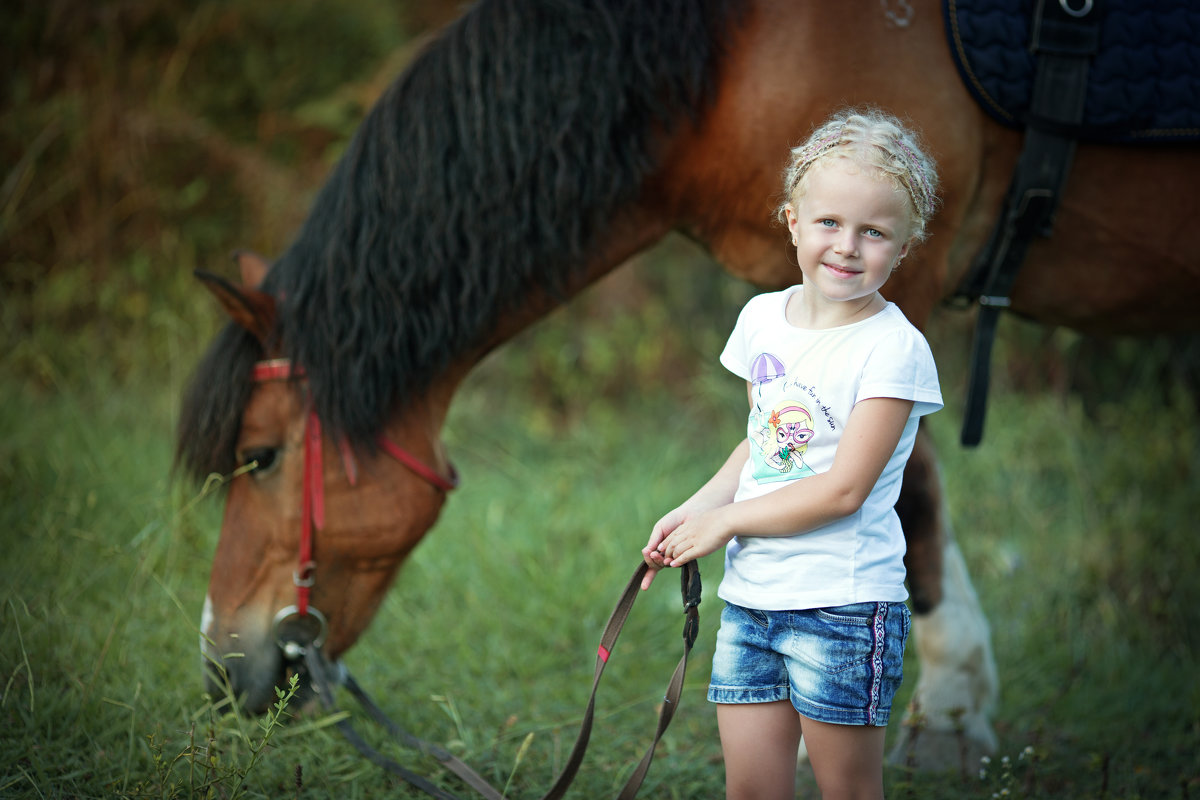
(248,307)
(253,266)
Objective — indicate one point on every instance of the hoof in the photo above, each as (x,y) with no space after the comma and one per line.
(952,744)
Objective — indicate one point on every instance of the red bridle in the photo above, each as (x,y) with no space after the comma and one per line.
(312,510)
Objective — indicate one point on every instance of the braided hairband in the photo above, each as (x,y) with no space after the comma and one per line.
(922,200)
(919,189)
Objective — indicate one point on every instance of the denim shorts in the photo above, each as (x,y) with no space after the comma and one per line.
(841,664)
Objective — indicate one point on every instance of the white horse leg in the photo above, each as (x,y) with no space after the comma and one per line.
(947,724)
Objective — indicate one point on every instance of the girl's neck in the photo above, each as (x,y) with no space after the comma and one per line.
(807,310)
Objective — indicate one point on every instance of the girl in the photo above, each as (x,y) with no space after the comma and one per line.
(813,631)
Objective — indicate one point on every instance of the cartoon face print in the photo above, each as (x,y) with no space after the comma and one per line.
(784,439)
(792,436)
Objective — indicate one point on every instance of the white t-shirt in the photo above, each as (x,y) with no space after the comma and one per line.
(804,385)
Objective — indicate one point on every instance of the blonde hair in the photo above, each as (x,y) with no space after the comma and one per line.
(874,139)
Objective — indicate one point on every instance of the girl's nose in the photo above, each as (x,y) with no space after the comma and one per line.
(846,244)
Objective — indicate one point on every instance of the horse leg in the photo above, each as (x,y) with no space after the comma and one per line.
(920,509)
(947,723)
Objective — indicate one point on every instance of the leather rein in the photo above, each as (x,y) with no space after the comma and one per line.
(327,675)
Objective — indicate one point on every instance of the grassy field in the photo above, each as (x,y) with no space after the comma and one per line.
(1079,532)
(143,140)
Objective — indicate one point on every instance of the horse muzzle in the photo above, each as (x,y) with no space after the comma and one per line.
(246,668)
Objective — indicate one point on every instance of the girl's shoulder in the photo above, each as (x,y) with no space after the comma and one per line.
(894,320)
(769,300)
(764,311)
(895,342)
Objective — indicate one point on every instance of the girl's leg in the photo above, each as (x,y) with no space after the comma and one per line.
(847,760)
(759,742)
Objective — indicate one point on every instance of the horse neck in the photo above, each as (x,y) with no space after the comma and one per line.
(630,233)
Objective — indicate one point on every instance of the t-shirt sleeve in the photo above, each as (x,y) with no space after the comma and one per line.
(901,365)
(735,357)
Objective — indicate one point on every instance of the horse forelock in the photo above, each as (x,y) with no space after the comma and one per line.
(484,173)
(210,417)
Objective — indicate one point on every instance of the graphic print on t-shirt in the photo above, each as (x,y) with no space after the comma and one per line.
(781,426)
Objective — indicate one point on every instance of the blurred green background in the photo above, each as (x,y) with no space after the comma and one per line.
(140,140)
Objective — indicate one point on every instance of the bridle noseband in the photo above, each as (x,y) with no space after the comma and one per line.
(312,512)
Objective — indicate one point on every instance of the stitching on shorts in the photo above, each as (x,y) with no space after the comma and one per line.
(878,631)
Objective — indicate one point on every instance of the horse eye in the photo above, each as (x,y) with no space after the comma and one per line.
(263,459)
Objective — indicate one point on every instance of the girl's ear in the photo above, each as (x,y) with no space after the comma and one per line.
(790,211)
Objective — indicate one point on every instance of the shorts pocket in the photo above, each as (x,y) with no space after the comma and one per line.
(854,613)
(845,637)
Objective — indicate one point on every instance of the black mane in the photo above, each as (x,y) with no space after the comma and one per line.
(485,171)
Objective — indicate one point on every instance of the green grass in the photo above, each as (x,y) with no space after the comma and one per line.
(1079,533)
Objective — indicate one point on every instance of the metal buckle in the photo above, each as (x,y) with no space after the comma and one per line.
(292,647)
(306,576)
(1084,9)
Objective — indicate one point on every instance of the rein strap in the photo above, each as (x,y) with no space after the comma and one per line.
(324,674)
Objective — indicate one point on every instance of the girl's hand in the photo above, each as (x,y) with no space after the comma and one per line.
(651,553)
(695,538)
(717,493)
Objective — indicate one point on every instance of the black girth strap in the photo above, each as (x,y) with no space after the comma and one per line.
(1066,35)
(325,675)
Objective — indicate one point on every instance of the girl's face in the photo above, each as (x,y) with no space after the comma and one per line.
(851,225)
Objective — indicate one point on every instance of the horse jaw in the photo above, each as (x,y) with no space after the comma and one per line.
(238,641)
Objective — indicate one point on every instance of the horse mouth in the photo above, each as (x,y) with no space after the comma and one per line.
(234,684)
(252,672)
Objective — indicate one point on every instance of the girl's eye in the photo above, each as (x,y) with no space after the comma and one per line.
(261,460)
(827,223)
(874,233)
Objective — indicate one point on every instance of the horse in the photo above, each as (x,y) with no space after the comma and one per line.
(533,147)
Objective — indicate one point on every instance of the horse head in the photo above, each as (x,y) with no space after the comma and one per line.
(308,543)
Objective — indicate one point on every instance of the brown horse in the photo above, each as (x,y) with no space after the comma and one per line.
(532,148)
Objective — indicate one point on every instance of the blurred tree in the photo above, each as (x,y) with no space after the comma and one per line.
(142,138)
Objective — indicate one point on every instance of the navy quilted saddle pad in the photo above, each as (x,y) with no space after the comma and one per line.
(1144,83)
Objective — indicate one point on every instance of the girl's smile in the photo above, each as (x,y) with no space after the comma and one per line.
(841,271)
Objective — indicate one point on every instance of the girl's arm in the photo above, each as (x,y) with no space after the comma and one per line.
(870,438)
